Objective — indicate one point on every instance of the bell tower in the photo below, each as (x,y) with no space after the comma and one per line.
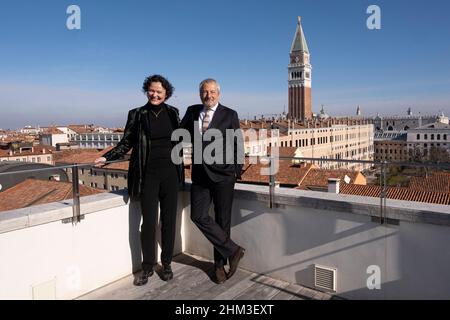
(299,77)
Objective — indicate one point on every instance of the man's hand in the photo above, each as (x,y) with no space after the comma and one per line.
(99,162)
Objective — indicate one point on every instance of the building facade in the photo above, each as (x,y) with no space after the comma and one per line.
(349,142)
(28,153)
(390,146)
(97,140)
(406,122)
(433,135)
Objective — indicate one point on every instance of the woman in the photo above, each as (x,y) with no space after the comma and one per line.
(152,176)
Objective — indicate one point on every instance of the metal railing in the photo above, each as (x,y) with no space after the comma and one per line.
(76,217)
(383,165)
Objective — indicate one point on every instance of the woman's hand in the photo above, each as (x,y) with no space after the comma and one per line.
(99,162)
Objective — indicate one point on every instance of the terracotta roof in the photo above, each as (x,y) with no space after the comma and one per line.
(398,193)
(437,182)
(118,166)
(33,192)
(288,172)
(319,177)
(37,150)
(88,156)
(284,151)
(80,129)
(52,130)
(77,156)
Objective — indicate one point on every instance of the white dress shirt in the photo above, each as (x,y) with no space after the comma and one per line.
(202,116)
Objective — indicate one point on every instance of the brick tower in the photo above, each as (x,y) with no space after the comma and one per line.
(299,77)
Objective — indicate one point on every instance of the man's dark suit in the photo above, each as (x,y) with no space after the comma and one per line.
(215,182)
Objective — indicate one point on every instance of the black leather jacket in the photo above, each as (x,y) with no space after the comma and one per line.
(135,138)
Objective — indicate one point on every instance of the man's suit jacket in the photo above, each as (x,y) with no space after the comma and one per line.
(224,118)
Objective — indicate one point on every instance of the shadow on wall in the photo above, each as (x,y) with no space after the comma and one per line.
(287,241)
(134,234)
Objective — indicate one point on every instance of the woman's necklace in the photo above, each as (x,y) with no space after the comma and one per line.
(156,114)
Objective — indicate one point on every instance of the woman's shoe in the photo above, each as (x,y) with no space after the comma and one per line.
(143,277)
(167,273)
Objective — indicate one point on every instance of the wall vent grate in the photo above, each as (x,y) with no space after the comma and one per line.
(325,278)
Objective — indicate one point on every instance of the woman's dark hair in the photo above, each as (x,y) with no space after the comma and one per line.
(164,82)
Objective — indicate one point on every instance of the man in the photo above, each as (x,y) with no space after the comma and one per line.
(214,180)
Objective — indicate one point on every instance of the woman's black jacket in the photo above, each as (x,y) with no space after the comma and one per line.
(135,137)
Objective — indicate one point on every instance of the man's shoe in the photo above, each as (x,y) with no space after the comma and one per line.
(221,276)
(167,273)
(143,277)
(234,261)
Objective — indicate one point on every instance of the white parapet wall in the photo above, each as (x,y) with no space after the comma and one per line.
(406,258)
(44,258)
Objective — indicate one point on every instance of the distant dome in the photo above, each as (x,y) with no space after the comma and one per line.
(322,114)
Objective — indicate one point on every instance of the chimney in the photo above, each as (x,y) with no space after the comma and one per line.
(333,185)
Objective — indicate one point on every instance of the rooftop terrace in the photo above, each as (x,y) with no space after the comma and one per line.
(45,256)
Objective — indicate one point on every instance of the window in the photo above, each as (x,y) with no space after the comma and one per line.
(445,137)
(418,136)
(432,136)
(438,137)
(425,137)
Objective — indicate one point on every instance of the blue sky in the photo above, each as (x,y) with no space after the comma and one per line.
(49,74)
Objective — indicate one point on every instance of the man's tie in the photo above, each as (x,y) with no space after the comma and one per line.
(206,119)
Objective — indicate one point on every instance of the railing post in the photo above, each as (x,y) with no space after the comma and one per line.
(271,183)
(383,183)
(76,195)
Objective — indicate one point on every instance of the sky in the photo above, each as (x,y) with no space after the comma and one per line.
(52,75)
